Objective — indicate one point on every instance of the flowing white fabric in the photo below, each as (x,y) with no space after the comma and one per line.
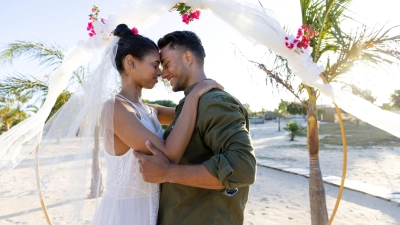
(70,141)
(261,26)
(128,199)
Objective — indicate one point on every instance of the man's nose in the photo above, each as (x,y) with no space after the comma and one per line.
(164,73)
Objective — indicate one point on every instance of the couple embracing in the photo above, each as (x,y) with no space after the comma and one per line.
(196,172)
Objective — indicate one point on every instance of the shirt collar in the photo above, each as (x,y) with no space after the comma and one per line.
(190,88)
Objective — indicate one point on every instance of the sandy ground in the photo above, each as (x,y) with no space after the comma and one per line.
(373,165)
(282,198)
(279,198)
(275,198)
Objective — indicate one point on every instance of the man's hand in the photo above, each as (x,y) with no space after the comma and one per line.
(154,168)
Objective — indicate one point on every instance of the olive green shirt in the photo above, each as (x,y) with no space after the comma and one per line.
(221,142)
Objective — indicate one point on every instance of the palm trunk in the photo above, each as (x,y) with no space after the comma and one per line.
(319,214)
(8,126)
(279,123)
(96,186)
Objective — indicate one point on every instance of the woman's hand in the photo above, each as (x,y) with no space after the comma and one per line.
(204,86)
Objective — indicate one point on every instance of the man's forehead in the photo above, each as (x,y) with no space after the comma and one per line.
(165,53)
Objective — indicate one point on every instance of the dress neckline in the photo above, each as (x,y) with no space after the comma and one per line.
(148,114)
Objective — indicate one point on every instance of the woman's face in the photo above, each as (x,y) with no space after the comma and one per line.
(147,70)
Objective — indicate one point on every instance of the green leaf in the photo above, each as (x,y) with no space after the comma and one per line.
(180,8)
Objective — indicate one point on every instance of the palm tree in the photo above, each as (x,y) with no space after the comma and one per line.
(340,51)
(47,55)
(281,112)
(13,109)
(294,129)
(36,89)
(395,98)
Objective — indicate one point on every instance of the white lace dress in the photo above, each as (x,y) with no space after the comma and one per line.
(128,199)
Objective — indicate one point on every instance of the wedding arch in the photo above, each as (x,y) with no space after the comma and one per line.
(258,24)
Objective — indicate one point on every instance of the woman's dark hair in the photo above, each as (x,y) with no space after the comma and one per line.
(185,41)
(131,44)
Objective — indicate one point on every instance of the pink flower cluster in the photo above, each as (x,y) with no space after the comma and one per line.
(135,31)
(302,40)
(188,17)
(93,18)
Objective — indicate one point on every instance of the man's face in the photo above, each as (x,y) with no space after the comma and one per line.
(174,68)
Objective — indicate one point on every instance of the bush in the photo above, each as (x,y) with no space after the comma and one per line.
(294,129)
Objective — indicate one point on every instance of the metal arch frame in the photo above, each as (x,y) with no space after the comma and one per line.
(42,203)
(344,141)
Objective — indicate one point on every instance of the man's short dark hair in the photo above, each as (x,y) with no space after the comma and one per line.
(185,41)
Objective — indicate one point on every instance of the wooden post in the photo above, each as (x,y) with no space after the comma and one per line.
(46,214)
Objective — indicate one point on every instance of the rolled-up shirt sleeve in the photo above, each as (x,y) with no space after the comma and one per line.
(225,129)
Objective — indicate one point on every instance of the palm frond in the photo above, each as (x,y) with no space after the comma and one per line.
(48,55)
(24,85)
(325,17)
(374,47)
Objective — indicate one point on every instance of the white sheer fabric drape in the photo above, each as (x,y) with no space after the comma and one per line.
(67,140)
(70,140)
(261,26)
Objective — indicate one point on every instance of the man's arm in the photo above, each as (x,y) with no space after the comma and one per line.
(193,175)
(226,132)
(156,168)
(224,126)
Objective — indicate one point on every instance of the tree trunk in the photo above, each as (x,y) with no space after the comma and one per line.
(319,213)
(279,123)
(96,186)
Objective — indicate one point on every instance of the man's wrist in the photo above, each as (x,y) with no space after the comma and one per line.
(170,173)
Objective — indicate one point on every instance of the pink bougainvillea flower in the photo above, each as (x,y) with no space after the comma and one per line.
(135,31)
(90,26)
(195,14)
(186,18)
(300,31)
(302,40)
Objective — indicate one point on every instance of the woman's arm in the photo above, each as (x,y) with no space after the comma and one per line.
(164,114)
(134,134)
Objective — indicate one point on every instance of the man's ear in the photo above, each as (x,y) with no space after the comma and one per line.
(130,62)
(188,58)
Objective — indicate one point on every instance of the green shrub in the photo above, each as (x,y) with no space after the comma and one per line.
(294,129)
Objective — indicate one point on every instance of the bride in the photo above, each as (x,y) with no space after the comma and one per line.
(128,199)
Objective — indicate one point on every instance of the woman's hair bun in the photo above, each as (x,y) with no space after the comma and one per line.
(122,30)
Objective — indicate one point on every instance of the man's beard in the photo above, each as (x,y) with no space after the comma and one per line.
(178,86)
(180,83)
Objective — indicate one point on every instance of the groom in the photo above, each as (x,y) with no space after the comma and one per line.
(210,185)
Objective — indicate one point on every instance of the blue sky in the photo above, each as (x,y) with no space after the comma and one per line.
(64,23)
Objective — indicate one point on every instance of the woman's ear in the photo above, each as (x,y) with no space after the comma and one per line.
(130,62)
